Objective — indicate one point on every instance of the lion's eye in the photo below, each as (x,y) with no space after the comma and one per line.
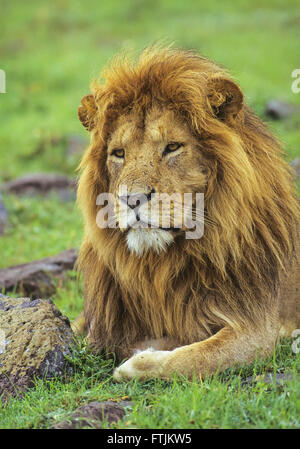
(120,153)
(173,146)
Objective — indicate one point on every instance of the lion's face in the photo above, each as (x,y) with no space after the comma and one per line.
(192,112)
(147,159)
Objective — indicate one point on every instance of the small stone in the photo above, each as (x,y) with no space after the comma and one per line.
(277,109)
(39,183)
(93,414)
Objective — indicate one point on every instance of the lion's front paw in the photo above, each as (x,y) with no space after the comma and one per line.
(144,364)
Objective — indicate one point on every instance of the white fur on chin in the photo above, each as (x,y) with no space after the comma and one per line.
(141,240)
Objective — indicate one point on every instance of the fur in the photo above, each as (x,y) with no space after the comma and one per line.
(193,289)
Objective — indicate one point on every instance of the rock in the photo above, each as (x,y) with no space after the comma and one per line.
(34,340)
(35,279)
(41,183)
(295,164)
(3,216)
(277,109)
(93,414)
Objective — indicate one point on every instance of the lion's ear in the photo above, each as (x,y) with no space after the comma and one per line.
(225,98)
(87,111)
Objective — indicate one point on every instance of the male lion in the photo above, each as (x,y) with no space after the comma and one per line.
(177,122)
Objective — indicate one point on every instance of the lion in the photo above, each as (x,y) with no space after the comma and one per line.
(175,121)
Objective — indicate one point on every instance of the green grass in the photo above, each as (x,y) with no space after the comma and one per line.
(38,227)
(50,52)
(224,401)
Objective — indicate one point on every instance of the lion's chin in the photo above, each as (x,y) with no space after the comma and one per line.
(140,241)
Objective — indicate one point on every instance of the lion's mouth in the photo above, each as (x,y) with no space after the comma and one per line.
(143,225)
(171,229)
(140,224)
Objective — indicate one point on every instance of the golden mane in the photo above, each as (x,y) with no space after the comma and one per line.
(197,286)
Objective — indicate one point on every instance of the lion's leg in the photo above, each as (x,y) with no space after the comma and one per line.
(218,352)
(290,296)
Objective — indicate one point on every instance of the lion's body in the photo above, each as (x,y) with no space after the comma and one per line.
(216,299)
(289,295)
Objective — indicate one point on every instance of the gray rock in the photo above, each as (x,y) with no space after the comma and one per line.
(41,183)
(35,279)
(278,109)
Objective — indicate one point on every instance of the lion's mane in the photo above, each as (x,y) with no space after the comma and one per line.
(230,275)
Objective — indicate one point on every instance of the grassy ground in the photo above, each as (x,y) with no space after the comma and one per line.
(50,52)
(225,401)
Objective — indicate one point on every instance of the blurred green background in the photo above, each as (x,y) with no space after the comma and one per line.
(50,52)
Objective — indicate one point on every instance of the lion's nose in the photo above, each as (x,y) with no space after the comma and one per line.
(136,199)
